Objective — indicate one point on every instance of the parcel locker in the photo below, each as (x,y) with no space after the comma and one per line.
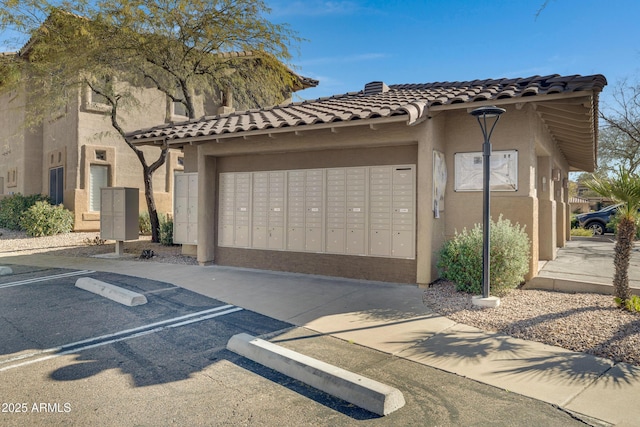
(119,213)
(336,210)
(185,209)
(295,211)
(403,211)
(356,211)
(243,204)
(380,211)
(276,211)
(314,210)
(260,211)
(226,210)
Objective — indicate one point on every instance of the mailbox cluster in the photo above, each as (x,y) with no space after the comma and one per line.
(355,211)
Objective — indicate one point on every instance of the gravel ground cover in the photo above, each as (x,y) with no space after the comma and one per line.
(87,244)
(588,323)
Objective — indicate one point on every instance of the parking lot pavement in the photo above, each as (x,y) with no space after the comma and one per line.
(70,357)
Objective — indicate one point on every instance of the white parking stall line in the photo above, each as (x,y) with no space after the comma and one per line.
(45,278)
(120,336)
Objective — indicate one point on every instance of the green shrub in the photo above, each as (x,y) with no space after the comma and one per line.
(166,227)
(632,304)
(166,232)
(461,258)
(43,219)
(12,208)
(144,223)
(582,232)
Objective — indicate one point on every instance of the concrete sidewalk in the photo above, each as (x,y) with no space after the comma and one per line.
(391,318)
(585,264)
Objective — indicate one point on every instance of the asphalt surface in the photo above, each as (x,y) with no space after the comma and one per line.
(70,357)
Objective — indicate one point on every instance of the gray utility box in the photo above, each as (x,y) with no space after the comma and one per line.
(185,209)
(119,213)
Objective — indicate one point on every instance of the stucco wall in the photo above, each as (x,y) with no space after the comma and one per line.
(372,268)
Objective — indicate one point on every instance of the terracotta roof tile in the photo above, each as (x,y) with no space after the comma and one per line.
(412,100)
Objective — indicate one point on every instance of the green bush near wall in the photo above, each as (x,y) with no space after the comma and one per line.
(12,208)
(461,258)
(44,219)
(166,227)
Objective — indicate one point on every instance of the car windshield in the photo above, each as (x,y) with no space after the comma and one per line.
(608,208)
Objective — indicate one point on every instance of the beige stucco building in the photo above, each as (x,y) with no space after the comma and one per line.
(71,155)
(371,184)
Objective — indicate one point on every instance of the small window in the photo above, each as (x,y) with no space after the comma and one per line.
(101,155)
(178,108)
(180,161)
(12,177)
(101,85)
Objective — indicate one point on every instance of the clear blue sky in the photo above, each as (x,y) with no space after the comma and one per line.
(352,42)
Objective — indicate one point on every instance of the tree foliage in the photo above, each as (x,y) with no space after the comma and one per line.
(187,49)
(623,188)
(619,138)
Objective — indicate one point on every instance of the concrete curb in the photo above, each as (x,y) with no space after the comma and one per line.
(112,292)
(366,393)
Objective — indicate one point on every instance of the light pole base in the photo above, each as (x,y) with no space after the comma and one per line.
(489,302)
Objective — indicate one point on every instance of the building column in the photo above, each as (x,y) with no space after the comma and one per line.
(424,209)
(207,185)
(547,218)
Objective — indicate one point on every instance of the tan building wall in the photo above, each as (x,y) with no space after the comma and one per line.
(81,136)
(448,132)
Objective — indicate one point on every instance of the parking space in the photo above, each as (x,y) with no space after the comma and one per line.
(71,357)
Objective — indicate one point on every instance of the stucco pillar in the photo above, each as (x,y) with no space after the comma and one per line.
(547,218)
(207,184)
(561,221)
(424,243)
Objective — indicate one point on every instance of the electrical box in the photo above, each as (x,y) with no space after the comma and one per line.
(185,209)
(119,208)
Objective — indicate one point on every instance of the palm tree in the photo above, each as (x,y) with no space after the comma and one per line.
(623,188)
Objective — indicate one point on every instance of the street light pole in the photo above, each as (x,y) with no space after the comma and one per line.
(487,118)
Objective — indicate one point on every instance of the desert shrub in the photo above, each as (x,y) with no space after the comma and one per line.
(12,208)
(166,231)
(144,223)
(44,219)
(632,304)
(581,232)
(461,258)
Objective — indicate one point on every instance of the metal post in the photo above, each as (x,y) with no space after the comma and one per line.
(486,215)
(482,114)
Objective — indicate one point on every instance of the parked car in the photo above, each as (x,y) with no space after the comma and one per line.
(597,221)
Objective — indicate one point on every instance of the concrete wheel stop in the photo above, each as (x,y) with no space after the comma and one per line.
(366,393)
(112,292)
(4,270)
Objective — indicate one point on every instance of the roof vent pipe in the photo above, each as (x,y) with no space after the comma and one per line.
(375,88)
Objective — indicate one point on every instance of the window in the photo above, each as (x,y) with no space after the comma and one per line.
(177,109)
(98,178)
(101,155)
(95,101)
(12,177)
(56,185)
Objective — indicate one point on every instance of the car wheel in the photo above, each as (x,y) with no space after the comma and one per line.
(596,228)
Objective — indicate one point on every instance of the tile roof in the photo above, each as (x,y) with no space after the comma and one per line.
(376,101)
